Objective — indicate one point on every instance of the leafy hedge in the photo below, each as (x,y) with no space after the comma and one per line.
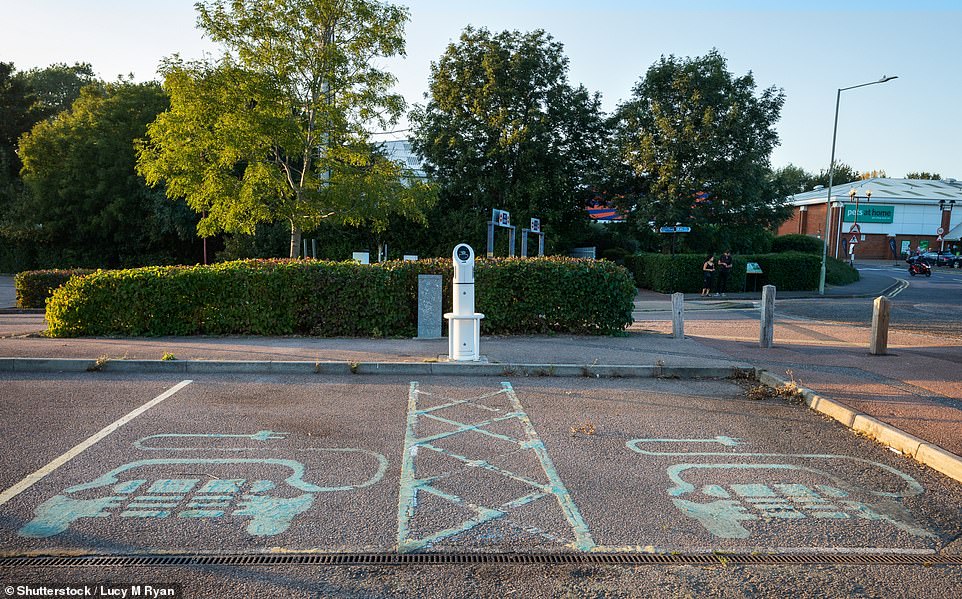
(33,287)
(285,297)
(788,271)
(797,243)
(839,273)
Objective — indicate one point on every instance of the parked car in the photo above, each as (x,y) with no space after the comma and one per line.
(945,258)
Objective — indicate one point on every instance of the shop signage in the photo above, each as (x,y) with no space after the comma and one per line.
(869,213)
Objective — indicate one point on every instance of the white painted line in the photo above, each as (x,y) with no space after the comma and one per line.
(32,479)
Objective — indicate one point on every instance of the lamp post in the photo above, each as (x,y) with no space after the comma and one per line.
(831,172)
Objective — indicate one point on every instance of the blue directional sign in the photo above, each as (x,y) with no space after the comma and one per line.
(675,230)
(666,230)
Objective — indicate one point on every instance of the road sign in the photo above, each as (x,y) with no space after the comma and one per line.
(666,230)
(939,238)
(535,225)
(939,231)
(855,228)
(853,240)
(682,229)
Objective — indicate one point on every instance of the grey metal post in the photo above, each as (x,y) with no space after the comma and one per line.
(490,253)
(511,241)
(880,326)
(766,332)
(429,306)
(541,244)
(678,315)
(524,243)
(305,248)
(314,248)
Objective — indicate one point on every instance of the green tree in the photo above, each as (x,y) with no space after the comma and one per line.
(86,203)
(54,88)
(924,175)
(689,127)
(276,129)
(504,129)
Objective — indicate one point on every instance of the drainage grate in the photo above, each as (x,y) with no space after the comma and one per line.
(440,559)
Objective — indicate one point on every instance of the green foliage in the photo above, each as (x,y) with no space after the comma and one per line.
(85,199)
(504,129)
(276,130)
(839,273)
(34,287)
(260,297)
(691,127)
(924,175)
(798,243)
(789,271)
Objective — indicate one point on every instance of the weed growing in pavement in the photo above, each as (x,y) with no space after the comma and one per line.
(99,363)
(354,367)
(168,356)
(585,428)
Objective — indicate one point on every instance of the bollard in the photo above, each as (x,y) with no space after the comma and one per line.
(880,326)
(766,332)
(464,324)
(678,315)
(429,306)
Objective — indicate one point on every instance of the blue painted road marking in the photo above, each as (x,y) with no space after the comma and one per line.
(743,502)
(168,497)
(521,437)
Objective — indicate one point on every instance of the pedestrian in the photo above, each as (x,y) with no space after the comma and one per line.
(724,271)
(708,270)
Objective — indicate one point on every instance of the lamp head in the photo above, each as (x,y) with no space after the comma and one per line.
(868,194)
(887,78)
(851,193)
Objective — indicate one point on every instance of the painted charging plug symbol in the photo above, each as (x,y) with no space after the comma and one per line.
(144,489)
(781,495)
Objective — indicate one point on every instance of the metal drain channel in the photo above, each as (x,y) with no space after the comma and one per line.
(444,559)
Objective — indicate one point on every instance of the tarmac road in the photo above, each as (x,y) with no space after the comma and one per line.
(247,464)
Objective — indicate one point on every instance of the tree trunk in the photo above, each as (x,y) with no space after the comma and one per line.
(295,240)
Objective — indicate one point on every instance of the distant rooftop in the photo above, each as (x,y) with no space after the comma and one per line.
(889,190)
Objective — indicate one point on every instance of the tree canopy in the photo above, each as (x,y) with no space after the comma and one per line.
(277,127)
(85,201)
(698,141)
(503,129)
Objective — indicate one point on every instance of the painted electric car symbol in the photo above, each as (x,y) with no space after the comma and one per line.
(790,491)
(188,488)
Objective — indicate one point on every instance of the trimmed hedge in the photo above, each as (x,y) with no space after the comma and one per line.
(839,273)
(794,242)
(290,297)
(33,287)
(788,271)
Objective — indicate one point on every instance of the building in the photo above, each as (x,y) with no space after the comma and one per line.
(399,150)
(885,217)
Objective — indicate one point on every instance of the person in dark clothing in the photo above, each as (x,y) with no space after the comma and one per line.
(724,271)
(708,270)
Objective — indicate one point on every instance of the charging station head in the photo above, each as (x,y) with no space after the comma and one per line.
(463,253)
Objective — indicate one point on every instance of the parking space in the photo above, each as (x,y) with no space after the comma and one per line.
(384,463)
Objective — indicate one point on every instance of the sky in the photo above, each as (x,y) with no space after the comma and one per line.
(808,48)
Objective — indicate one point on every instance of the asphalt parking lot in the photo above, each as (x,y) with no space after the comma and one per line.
(383,463)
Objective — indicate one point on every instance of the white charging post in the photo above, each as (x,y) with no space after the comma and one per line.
(464,324)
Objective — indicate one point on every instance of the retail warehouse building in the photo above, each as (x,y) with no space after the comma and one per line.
(883,217)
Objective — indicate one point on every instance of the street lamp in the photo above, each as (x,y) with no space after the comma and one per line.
(831,172)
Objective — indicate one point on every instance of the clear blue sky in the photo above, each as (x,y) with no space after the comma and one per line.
(807,47)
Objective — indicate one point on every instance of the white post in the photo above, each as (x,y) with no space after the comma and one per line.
(767,330)
(464,324)
(678,315)
(880,326)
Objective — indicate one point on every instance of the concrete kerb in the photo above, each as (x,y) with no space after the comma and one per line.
(929,454)
(52,365)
